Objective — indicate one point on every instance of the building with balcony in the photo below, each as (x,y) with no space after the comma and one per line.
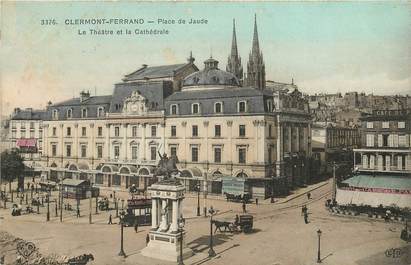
(26,135)
(383,164)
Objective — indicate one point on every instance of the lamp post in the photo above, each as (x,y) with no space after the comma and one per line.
(122,204)
(55,201)
(319,253)
(116,205)
(198,199)
(122,253)
(96,204)
(181,222)
(48,207)
(211,252)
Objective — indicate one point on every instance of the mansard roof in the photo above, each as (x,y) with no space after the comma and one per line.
(228,96)
(153,91)
(146,72)
(95,100)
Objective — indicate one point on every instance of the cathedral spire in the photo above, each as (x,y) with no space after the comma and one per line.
(234,50)
(255,67)
(256,46)
(234,61)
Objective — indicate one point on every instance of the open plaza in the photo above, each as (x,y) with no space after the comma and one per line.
(279,236)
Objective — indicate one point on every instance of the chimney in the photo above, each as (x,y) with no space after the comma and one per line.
(144,66)
(16,110)
(84,95)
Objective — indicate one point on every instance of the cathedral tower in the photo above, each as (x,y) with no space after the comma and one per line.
(255,67)
(234,60)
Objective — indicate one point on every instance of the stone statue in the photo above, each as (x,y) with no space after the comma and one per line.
(167,167)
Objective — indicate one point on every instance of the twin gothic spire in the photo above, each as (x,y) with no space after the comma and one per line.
(255,76)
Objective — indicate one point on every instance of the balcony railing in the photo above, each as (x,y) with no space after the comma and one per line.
(377,168)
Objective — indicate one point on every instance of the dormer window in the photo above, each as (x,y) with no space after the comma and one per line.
(55,114)
(69,113)
(84,113)
(100,112)
(218,107)
(195,108)
(174,109)
(242,106)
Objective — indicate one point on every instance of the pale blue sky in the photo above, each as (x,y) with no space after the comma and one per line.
(326,47)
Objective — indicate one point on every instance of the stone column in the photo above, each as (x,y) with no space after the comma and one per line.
(174,221)
(154,212)
(163,224)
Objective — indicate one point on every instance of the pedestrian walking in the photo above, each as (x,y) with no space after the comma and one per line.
(28,185)
(306,218)
(303,210)
(136,225)
(256,201)
(237,220)
(308,195)
(110,219)
(78,212)
(147,239)
(244,207)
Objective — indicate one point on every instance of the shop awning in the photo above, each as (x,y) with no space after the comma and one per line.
(394,182)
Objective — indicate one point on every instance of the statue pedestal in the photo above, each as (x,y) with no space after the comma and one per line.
(167,197)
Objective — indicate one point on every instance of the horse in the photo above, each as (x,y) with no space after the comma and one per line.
(222,224)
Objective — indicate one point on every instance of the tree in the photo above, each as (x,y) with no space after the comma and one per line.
(12,166)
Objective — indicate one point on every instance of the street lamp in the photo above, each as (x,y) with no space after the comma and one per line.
(198,199)
(181,222)
(48,206)
(319,254)
(122,253)
(211,252)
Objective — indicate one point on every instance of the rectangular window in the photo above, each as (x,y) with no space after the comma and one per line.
(195,108)
(370,140)
(217,155)
(270,131)
(370,125)
(54,150)
(173,109)
(173,151)
(13,134)
(385,124)
(153,131)
(99,178)
(116,131)
(241,155)
(99,151)
(195,130)
(54,131)
(270,154)
(173,130)
(23,134)
(68,150)
(83,131)
(194,154)
(31,134)
(83,150)
(401,125)
(134,152)
(116,151)
(217,130)
(134,131)
(402,141)
(31,125)
(100,131)
(68,131)
(218,107)
(153,153)
(241,130)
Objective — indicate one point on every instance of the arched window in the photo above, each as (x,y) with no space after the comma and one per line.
(242,106)
(100,112)
(218,107)
(84,113)
(69,114)
(55,114)
(174,109)
(195,108)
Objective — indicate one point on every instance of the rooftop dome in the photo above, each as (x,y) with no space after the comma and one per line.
(211,75)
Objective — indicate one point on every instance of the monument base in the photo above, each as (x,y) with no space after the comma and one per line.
(166,246)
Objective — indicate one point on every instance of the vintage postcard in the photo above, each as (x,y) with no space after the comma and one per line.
(215,133)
